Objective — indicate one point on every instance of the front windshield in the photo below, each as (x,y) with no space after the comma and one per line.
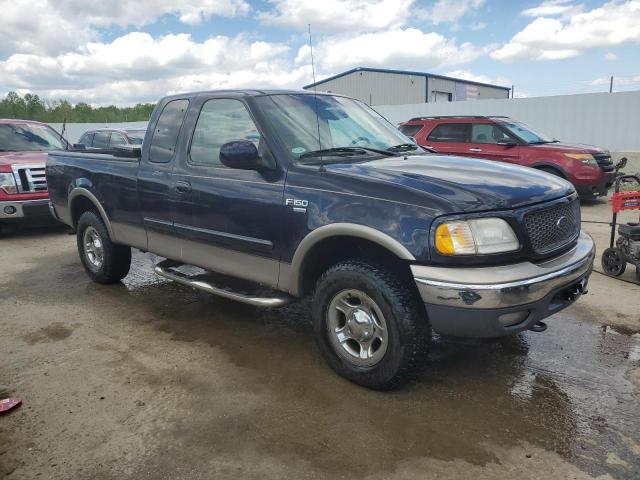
(343,123)
(26,137)
(525,133)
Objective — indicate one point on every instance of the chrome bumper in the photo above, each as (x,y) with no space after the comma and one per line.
(20,209)
(503,286)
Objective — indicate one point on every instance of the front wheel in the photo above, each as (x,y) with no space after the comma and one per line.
(613,262)
(370,325)
(103,260)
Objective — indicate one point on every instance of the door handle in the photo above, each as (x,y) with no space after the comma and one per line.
(475,149)
(183,187)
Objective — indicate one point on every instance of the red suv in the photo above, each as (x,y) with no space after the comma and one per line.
(589,168)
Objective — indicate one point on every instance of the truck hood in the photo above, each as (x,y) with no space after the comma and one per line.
(569,148)
(467,184)
(23,158)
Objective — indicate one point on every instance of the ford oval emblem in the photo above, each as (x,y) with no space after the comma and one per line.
(562,222)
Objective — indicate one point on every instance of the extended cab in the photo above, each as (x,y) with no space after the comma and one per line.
(588,168)
(267,196)
(23,188)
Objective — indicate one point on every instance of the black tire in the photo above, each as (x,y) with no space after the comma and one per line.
(116,259)
(613,262)
(638,273)
(407,328)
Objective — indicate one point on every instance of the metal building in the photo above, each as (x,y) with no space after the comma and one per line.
(378,86)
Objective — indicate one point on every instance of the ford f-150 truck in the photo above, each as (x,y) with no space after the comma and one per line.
(23,189)
(267,196)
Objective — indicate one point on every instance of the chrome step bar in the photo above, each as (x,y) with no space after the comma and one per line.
(167,270)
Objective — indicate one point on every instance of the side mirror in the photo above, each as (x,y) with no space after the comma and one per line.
(79,146)
(241,154)
(507,143)
(621,164)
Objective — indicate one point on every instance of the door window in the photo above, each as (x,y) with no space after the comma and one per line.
(117,139)
(487,133)
(221,120)
(410,130)
(450,132)
(86,139)
(101,140)
(165,135)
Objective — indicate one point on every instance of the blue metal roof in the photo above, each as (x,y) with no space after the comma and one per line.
(402,72)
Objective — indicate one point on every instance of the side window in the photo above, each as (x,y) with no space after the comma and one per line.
(410,130)
(221,121)
(86,139)
(117,139)
(487,133)
(101,140)
(450,132)
(165,135)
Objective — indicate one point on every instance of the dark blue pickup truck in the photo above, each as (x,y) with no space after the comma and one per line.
(268,196)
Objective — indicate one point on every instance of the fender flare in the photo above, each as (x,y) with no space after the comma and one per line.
(83,192)
(554,166)
(341,230)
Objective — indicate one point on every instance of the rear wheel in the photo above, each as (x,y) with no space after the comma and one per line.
(613,262)
(638,273)
(103,260)
(370,325)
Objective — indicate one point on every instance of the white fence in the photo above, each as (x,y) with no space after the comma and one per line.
(75,130)
(610,120)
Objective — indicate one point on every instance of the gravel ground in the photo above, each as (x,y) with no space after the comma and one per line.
(152,380)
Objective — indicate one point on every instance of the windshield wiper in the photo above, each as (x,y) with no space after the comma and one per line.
(345,152)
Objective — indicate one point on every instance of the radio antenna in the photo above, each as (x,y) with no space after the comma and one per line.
(315,93)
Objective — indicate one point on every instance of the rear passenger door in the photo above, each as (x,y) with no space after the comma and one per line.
(229,220)
(451,138)
(155,180)
(485,143)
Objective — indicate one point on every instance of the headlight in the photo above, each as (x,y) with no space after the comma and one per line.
(585,158)
(477,236)
(8,183)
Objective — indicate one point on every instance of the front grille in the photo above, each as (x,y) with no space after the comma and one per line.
(554,227)
(604,161)
(30,178)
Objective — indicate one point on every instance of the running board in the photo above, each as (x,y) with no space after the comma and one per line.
(246,292)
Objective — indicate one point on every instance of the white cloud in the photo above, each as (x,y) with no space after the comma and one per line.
(551,8)
(338,15)
(448,11)
(49,26)
(612,24)
(610,56)
(467,75)
(137,66)
(400,48)
(477,26)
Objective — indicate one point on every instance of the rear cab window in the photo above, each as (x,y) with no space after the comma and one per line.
(101,140)
(451,132)
(165,134)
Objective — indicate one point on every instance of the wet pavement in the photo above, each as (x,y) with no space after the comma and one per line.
(150,379)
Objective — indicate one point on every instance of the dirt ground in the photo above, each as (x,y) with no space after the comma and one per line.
(152,380)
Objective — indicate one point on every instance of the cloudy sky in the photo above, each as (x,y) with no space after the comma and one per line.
(127,51)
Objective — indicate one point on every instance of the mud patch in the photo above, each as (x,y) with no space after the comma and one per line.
(54,332)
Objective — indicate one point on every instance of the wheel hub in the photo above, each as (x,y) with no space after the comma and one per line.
(360,325)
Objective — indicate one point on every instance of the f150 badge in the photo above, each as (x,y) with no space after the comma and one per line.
(298,205)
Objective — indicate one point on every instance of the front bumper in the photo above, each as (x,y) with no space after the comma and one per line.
(502,300)
(598,189)
(24,210)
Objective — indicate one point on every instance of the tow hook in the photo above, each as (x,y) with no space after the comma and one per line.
(538,327)
(574,292)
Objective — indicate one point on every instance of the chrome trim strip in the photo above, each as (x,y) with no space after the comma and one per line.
(265,302)
(224,237)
